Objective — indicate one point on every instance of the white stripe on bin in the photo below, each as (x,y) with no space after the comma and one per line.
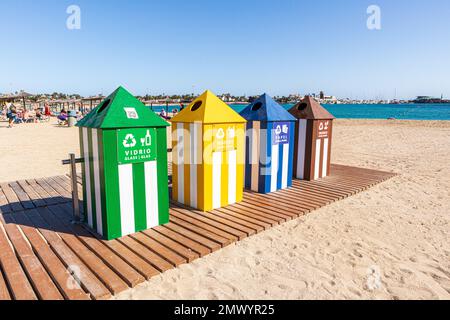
(180,150)
(317,161)
(97,185)
(301,149)
(274,168)
(126,199)
(325,158)
(87,170)
(285,173)
(151,194)
(254,157)
(193,164)
(217,179)
(232,176)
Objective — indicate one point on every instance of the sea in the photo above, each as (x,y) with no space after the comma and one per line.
(374,111)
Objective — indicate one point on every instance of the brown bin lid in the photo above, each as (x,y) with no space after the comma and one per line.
(310,109)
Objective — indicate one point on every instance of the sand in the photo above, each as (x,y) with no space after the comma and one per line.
(390,242)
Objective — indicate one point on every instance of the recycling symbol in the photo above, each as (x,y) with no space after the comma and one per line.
(278,130)
(220,134)
(129,141)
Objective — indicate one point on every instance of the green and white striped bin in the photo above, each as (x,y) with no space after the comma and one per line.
(125,175)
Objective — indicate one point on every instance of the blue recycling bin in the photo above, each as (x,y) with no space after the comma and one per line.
(270,146)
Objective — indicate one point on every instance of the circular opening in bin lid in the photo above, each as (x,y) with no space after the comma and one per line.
(196,106)
(257,106)
(302,106)
(104,106)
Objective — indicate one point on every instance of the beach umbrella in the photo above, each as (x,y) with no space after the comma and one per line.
(22,95)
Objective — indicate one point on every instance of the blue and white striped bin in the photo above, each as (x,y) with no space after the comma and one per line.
(270,146)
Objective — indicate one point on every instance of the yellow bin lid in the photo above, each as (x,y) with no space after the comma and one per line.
(208,109)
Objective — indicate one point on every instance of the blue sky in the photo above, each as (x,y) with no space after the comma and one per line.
(238,46)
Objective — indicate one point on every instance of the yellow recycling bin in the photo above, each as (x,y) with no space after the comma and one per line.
(208,154)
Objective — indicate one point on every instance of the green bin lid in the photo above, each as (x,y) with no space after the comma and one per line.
(121,110)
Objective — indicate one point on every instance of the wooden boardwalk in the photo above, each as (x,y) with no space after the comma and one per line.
(44,256)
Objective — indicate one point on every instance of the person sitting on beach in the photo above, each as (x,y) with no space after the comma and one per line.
(25,116)
(19,117)
(62,118)
(175,112)
(163,114)
(11,115)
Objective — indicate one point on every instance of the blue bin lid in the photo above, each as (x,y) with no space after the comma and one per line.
(266,109)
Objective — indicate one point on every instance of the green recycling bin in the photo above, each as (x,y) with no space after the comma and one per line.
(125,175)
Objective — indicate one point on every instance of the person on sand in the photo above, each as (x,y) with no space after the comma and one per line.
(47,111)
(181,107)
(62,118)
(39,116)
(25,115)
(163,114)
(11,115)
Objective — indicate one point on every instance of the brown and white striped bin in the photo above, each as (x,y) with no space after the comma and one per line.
(313,136)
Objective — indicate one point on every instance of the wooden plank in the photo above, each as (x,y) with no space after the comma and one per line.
(130,276)
(12,198)
(240,214)
(159,249)
(140,265)
(243,231)
(183,251)
(305,197)
(308,199)
(253,205)
(67,195)
(45,196)
(258,203)
(15,277)
(192,236)
(38,276)
(22,195)
(242,226)
(272,204)
(202,221)
(207,233)
(66,283)
(226,219)
(109,278)
(64,182)
(32,194)
(4,293)
(243,210)
(4,204)
(58,198)
(85,276)
(155,260)
(196,247)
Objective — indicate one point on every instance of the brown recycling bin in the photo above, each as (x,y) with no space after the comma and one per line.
(313,137)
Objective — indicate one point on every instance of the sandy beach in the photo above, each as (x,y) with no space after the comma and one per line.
(390,242)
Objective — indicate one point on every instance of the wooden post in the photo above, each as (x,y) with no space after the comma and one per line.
(75,199)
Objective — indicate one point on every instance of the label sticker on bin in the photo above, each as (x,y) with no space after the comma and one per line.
(136,145)
(280,133)
(224,138)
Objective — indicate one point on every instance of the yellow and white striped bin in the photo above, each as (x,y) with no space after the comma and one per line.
(208,154)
